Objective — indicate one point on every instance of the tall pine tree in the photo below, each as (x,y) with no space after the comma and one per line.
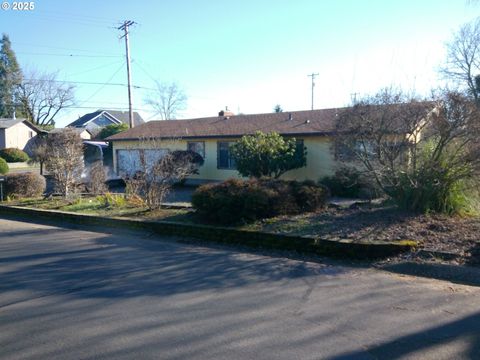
(10,78)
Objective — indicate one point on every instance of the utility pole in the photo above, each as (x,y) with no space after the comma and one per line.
(353,97)
(312,75)
(124,27)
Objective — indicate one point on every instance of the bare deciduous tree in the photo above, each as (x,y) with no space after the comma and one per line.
(97,178)
(65,160)
(43,97)
(417,151)
(463,58)
(153,176)
(167,100)
(39,152)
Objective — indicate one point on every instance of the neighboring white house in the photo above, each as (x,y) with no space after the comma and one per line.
(94,122)
(17,133)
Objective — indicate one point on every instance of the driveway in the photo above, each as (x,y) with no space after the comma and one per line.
(69,293)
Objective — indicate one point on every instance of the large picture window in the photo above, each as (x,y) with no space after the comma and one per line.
(224,155)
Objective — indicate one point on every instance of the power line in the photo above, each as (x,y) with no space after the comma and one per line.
(80,16)
(144,70)
(86,107)
(15,44)
(92,83)
(105,84)
(104,102)
(75,22)
(95,68)
(69,55)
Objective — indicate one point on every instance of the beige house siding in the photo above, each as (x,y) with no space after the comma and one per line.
(18,135)
(85,135)
(320,158)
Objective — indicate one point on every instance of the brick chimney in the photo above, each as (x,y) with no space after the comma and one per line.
(226,113)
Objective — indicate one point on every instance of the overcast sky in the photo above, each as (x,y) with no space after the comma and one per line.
(247,55)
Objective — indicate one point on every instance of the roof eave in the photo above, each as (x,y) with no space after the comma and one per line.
(319,133)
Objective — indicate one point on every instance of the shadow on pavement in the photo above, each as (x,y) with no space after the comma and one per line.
(116,266)
(465,328)
(465,275)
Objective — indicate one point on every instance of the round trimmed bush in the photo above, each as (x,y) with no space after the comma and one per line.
(3,167)
(235,201)
(22,185)
(11,155)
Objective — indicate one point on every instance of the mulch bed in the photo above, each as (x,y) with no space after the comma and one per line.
(459,235)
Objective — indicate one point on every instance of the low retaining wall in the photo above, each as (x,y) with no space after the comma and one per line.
(342,248)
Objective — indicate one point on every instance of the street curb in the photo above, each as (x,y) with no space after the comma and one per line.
(304,244)
(464,275)
(442,255)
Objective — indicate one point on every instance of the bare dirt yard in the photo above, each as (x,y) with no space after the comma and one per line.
(452,234)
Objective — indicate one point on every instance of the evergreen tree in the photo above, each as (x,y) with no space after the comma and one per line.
(278,108)
(268,155)
(10,78)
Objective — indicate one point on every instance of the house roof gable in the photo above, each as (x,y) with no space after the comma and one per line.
(120,116)
(8,123)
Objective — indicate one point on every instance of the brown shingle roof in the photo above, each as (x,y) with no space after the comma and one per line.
(310,122)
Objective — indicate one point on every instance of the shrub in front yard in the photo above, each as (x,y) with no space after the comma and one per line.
(110,200)
(97,178)
(3,167)
(152,182)
(12,155)
(22,185)
(235,201)
(350,183)
(65,161)
(268,155)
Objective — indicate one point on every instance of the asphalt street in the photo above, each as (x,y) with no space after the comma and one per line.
(70,293)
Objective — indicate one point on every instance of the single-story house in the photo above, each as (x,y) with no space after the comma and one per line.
(17,133)
(211,137)
(95,121)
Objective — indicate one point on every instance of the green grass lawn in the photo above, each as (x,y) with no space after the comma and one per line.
(109,206)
